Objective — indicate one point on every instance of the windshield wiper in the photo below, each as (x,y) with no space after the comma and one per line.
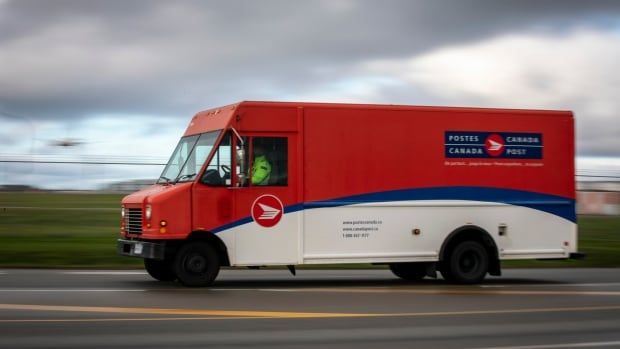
(187,176)
(165,179)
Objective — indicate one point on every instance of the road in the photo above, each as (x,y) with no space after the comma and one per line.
(530,309)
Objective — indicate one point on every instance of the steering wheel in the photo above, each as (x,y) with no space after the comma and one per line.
(226,169)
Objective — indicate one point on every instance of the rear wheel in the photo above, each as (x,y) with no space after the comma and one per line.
(196,264)
(467,263)
(409,271)
(161,270)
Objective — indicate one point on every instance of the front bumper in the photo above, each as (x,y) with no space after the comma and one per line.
(142,249)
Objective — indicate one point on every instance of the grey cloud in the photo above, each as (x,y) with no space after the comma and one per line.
(73,58)
(67,61)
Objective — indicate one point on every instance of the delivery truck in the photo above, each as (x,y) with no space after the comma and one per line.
(419,189)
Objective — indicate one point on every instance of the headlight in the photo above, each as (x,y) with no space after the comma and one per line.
(148,212)
(122,212)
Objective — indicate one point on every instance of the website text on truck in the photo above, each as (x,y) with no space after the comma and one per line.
(421,189)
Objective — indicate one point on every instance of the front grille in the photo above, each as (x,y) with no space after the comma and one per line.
(133,220)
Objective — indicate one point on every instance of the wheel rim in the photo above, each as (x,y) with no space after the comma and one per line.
(469,262)
(195,264)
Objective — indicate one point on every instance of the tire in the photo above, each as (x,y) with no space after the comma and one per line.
(409,271)
(467,263)
(161,270)
(196,264)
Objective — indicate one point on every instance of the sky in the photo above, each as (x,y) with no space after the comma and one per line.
(126,76)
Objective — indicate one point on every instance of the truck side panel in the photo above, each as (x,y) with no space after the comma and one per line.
(375,176)
(356,151)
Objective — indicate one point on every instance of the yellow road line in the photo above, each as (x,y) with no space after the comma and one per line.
(130,319)
(504,311)
(239,314)
(453,291)
(163,311)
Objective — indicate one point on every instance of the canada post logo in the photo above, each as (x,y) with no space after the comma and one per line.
(267,210)
(503,145)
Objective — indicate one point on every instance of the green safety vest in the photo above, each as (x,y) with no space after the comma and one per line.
(261,170)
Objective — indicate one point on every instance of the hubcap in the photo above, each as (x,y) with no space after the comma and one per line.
(469,262)
(196,264)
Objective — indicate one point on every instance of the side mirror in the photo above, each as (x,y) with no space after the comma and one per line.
(241,176)
(242,166)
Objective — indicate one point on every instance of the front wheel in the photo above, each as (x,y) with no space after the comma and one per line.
(467,263)
(196,264)
(160,269)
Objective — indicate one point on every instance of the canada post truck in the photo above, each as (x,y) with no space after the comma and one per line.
(420,189)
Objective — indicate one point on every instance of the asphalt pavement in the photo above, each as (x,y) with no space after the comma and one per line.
(525,308)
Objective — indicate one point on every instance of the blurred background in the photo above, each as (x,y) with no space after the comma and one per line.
(94,95)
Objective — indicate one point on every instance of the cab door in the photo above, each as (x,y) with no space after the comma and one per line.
(271,234)
(212,199)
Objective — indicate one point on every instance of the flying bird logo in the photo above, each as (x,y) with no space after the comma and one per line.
(268,212)
(495,146)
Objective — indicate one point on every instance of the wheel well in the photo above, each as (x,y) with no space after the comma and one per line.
(472,233)
(214,241)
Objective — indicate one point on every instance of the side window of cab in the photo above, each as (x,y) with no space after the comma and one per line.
(269,166)
(218,171)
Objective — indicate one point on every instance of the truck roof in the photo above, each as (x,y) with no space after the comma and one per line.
(220,117)
(396,107)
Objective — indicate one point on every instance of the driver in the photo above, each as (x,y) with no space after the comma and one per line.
(261,168)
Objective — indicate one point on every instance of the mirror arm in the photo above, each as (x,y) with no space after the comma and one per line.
(238,136)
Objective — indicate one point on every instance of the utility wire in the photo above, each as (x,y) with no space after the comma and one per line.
(159,161)
(82,162)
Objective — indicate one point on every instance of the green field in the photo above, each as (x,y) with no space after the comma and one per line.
(51,230)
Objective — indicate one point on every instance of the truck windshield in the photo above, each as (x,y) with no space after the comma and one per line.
(188,157)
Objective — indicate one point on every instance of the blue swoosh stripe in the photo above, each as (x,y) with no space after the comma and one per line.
(556,205)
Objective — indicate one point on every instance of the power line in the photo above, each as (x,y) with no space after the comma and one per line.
(81,162)
(124,160)
(69,162)
(594,176)
(82,159)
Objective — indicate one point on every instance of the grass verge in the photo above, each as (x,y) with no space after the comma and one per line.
(56,230)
